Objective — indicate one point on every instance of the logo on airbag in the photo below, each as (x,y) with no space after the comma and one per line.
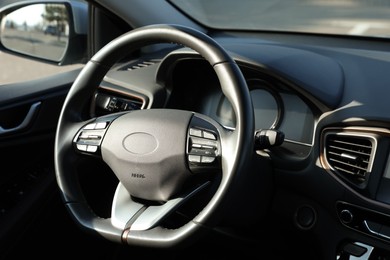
(140,143)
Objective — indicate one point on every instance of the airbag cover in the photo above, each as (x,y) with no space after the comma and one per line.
(146,151)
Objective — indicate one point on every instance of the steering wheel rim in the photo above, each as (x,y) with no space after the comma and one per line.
(236,146)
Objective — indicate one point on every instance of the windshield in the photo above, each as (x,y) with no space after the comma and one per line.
(345,17)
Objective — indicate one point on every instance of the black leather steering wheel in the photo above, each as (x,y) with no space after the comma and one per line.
(154,153)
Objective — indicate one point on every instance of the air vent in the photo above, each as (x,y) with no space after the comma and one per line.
(140,64)
(350,156)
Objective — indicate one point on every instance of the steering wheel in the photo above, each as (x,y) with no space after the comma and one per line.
(156,154)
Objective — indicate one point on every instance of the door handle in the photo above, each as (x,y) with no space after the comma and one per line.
(26,121)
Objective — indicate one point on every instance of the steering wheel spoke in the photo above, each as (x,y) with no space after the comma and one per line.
(128,214)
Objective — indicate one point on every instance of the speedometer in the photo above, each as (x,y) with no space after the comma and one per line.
(267,105)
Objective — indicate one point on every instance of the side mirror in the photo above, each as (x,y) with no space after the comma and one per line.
(54,32)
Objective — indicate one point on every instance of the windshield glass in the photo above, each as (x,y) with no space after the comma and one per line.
(345,17)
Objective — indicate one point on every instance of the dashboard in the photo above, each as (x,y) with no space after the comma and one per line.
(331,140)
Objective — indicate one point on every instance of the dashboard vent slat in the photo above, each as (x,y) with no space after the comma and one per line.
(350,156)
(140,64)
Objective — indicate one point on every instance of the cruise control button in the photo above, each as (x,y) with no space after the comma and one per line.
(96,137)
(203,141)
(90,126)
(101,125)
(92,148)
(196,146)
(83,135)
(194,158)
(206,152)
(207,159)
(195,132)
(82,147)
(209,135)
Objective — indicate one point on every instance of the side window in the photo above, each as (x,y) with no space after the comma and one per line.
(41,40)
